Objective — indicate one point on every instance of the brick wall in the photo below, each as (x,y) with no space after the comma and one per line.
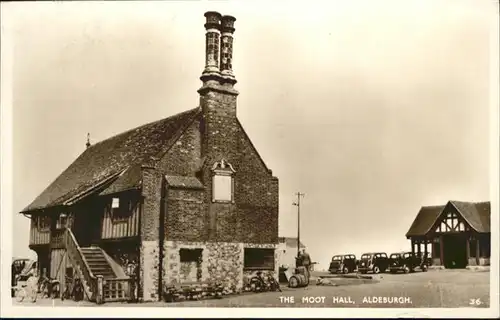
(254,215)
(184,157)
(186,215)
(190,215)
(150,235)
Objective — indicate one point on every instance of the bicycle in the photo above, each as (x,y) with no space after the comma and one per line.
(262,284)
(27,289)
(73,289)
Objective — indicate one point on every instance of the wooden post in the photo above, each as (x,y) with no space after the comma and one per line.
(99,299)
(412,246)
(467,249)
(441,250)
(426,243)
(477,250)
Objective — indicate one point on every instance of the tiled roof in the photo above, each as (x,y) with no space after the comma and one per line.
(114,163)
(477,215)
(469,210)
(424,220)
(183,182)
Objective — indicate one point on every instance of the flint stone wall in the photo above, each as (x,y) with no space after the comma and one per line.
(220,262)
(149,270)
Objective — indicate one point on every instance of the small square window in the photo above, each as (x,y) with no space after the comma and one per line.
(115,203)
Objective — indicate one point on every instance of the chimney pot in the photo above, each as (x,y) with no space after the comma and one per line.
(227,24)
(213,19)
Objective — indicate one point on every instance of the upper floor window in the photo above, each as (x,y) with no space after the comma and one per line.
(42,223)
(62,221)
(223,182)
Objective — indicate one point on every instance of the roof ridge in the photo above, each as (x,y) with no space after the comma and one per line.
(112,155)
(141,126)
(180,132)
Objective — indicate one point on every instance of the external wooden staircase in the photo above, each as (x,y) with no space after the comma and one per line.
(101,282)
(97,262)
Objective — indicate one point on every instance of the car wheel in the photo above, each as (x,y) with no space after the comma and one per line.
(345,270)
(293,282)
(406,269)
(424,268)
(393,271)
(376,269)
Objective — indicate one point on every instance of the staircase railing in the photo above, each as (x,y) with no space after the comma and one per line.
(89,281)
(118,290)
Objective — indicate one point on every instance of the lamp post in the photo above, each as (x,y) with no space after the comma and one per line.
(298,194)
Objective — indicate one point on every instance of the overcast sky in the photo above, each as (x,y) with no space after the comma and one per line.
(371,108)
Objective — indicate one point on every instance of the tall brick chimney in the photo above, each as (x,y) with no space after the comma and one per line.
(212,45)
(218,73)
(226,64)
(219,127)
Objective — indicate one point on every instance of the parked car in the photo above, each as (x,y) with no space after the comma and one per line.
(407,262)
(344,263)
(16,269)
(19,268)
(375,262)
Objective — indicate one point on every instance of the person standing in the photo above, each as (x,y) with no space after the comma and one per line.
(305,260)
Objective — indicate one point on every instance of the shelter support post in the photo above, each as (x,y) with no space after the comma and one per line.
(441,250)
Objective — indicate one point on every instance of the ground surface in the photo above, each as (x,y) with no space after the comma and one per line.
(433,289)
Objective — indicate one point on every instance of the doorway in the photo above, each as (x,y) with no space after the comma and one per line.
(455,251)
(87,228)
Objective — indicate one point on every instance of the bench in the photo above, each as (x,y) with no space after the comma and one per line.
(192,290)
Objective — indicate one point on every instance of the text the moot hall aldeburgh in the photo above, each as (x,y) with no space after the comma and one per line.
(346,300)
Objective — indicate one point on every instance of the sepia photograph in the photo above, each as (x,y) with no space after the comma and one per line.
(263,159)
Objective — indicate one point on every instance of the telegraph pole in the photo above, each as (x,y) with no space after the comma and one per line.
(298,194)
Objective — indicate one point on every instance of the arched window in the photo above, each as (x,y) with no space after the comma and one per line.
(222,182)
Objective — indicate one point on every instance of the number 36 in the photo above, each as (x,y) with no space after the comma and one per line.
(475,302)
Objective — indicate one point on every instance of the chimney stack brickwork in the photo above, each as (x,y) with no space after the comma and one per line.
(218,74)
(226,67)
(212,44)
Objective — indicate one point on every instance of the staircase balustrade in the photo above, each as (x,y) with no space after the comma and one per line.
(83,270)
(96,288)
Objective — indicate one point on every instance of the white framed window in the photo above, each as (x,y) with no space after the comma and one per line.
(115,203)
(223,182)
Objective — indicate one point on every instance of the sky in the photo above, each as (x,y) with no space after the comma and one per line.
(371,108)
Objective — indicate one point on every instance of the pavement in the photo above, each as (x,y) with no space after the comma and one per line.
(432,289)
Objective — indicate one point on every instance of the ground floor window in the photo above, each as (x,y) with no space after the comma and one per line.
(258,259)
(191,261)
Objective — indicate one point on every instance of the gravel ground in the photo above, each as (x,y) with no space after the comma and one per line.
(433,289)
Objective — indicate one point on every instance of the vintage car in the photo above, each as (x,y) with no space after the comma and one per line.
(22,277)
(407,262)
(344,263)
(375,262)
(16,269)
